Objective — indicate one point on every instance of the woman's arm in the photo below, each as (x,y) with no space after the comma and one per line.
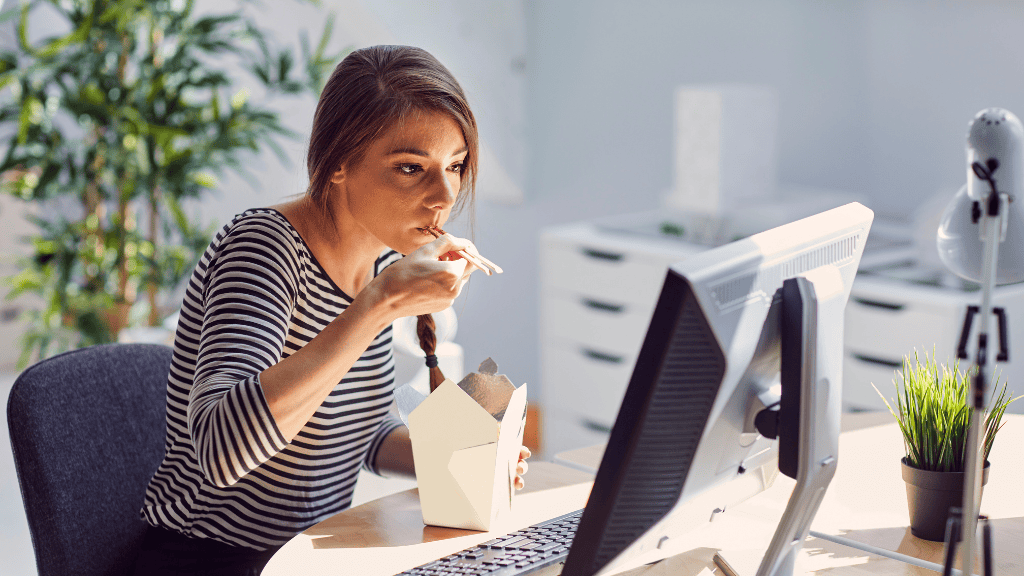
(418,284)
(297,385)
(246,402)
(394,458)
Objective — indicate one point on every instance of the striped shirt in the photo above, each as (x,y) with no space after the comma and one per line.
(257,296)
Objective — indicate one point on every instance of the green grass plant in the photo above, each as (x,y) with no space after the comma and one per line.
(933,414)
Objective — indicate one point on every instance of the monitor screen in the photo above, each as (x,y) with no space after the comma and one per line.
(711,360)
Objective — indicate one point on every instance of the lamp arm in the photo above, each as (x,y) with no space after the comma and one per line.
(992,233)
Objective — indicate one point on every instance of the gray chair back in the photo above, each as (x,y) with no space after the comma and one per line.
(87,429)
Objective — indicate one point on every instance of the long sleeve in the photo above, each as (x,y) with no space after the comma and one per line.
(257,296)
(249,293)
(390,423)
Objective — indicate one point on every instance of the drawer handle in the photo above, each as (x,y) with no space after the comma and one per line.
(603,306)
(595,426)
(879,361)
(602,255)
(610,358)
(878,304)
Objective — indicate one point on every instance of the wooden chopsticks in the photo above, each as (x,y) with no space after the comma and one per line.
(478,261)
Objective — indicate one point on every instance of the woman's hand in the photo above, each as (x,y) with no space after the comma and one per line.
(522,467)
(426,280)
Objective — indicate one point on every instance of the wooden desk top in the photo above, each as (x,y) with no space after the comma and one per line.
(387,535)
(866,502)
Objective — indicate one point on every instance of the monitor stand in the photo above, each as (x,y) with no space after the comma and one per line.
(811,367)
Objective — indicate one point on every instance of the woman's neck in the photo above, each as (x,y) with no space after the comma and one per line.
(346,252)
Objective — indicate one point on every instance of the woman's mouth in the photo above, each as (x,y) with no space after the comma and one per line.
(432,231)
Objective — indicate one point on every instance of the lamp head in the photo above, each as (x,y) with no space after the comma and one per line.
(995,162)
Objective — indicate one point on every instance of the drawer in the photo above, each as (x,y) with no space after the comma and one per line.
(565,431)
(605,324)
(891,327)
(584,380)
(860,371)
(612,275)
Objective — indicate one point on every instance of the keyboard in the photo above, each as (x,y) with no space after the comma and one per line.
(520,552)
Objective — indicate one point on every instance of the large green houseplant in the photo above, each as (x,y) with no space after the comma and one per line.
(113,125)
(933,414)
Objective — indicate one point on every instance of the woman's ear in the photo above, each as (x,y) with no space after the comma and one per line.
(338,176)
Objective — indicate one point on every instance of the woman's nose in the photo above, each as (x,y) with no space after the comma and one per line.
(442,194)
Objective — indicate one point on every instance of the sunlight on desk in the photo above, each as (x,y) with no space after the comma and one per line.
(387,535)
(867,503)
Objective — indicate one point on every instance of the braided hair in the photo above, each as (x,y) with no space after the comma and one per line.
(425,330)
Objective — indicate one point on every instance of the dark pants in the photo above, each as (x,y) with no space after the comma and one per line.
(168,553)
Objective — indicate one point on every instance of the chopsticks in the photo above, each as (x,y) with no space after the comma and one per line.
(478,261)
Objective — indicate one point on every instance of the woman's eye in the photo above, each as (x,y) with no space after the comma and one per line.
(458,168)
(409,169)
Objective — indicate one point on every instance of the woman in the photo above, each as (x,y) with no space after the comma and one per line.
(281,379)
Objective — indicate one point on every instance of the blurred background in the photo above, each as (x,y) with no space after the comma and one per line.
(577,107)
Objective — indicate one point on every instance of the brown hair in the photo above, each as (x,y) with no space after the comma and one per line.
(370,90)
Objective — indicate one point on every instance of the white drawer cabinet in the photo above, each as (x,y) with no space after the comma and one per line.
(888,318)
(597,293)
(601,323)
(564,430)
(593,381)
(610,273)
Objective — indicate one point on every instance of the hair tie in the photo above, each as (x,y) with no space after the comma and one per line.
(431,360)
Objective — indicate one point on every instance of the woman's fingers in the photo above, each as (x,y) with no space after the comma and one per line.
(469,252)
(480,262)
(446,249)
(453,256)
(429,278)
(522,467)
(443,244)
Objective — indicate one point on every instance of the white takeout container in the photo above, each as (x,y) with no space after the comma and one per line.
(466,452)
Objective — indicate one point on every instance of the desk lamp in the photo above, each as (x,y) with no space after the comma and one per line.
(983,216)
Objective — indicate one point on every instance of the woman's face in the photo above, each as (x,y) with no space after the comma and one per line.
(408,179)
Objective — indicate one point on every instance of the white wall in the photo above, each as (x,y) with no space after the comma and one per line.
(930,66)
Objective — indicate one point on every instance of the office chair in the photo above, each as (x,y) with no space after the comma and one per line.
(87,429)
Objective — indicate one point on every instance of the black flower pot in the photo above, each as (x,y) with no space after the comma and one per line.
(930,495)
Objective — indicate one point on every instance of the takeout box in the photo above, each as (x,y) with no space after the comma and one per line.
(466,439)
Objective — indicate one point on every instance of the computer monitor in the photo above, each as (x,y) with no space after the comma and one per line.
(739,331)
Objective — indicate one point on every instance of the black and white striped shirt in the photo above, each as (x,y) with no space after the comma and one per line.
(258,295)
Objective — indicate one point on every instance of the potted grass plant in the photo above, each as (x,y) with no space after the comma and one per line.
(933,414)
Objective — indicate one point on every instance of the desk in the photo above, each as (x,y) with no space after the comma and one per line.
(387,535)
(865,502)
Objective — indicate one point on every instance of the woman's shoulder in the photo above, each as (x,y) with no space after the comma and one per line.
(260,222)
(258,234)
